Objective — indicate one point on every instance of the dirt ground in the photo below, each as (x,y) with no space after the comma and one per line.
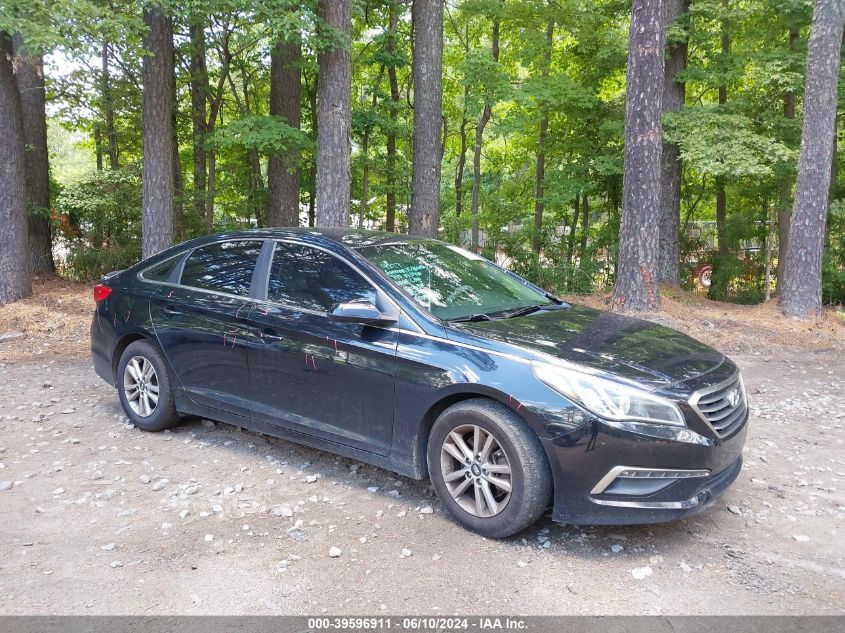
(101,518)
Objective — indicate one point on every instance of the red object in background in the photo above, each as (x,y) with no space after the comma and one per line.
(101,292)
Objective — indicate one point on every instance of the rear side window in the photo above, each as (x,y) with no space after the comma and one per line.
(224,267)
(309,278)
(162,270)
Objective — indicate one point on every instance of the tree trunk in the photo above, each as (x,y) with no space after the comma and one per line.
(540,164)
(801,296)
(459,170)
(283,169)
(785,186)
(636,278)
(719,283)
(570,248)
(256,186)
(213,116)
(180,228)
(158,168)
(199,106)
(334,88)
(476,172)
(479,135)
(14,272)
(211,189)
(365,179)
(253,158)
(674,95)
(390,202)
(312,169)
(721,198)
(98,146)
(256,179)
(427,20)
(585,225)
(30,80)
(365,151)
(770,238)
(721,217)
(108,106)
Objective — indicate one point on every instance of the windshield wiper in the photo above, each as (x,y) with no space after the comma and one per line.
(471,317)
(535,308)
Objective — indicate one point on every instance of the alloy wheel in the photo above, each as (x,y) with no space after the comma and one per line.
(476,470)
(140,384)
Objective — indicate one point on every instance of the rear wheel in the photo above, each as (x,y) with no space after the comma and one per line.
(143,384)
(488,468)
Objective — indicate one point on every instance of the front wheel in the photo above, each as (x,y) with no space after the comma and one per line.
(143,384)
(488,468)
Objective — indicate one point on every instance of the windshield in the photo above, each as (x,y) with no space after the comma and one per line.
(450,282)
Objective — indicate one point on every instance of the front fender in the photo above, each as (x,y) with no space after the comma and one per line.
(434,373)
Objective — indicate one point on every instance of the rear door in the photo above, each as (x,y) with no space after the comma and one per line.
(312,375)
(201,323)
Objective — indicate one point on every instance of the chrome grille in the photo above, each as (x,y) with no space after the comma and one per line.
(723,406)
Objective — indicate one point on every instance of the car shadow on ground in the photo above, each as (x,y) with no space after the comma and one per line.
(546,536)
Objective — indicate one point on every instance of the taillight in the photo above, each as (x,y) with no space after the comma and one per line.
(101,292)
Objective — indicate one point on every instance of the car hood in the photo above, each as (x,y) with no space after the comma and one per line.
(631,348)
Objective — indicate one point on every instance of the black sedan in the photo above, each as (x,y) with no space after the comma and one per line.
(428,360)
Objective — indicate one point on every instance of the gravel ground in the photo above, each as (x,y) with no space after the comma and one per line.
(101,518)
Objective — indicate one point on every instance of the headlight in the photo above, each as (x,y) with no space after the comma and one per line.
(608,399)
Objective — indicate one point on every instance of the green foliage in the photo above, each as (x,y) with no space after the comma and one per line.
(268,134)
(747,143)
(100,223)
(551,270)
(833,264)
(736,280)
(724,145)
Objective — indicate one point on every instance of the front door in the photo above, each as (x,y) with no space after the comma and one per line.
(312,375)
(201,324)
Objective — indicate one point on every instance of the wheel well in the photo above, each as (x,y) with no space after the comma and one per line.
(421,447)
(122,344)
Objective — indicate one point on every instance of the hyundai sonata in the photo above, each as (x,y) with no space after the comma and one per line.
(425,359)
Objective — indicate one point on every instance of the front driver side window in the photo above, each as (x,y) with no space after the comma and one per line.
(306,277)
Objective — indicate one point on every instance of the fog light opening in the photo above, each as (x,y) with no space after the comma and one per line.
(663,477)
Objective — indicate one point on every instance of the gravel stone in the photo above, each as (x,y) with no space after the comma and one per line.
(642,572)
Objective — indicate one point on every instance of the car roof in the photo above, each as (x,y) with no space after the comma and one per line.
(350,238)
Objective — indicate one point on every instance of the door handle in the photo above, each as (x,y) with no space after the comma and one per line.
(270,335)
(171,311)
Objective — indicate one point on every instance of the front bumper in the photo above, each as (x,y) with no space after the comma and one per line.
(691,471)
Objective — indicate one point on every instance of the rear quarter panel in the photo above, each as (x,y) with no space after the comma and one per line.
(122,316)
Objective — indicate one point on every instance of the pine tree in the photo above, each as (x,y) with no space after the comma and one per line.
(159,187)
(427,17)
(14,272)
(334,88)
(636,276)
(801,295)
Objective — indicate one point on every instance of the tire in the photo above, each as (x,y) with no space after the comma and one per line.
(163,414)
(516,447)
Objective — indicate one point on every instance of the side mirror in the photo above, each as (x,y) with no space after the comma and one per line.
(359,311)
